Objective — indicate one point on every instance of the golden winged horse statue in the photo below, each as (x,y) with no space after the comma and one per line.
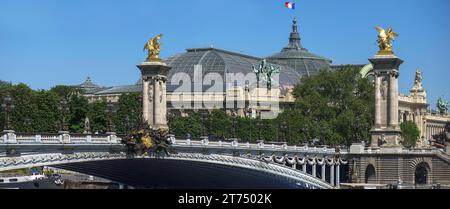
(384,40)
(153,47)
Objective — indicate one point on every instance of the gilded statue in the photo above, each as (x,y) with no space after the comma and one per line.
(384,40)
(153,47)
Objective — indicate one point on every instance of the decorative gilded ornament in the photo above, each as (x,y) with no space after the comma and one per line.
(153,47)
(384,40)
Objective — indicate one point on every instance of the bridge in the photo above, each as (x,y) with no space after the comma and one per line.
(312,166)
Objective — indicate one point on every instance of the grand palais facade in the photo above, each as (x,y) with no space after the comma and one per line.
(294,62)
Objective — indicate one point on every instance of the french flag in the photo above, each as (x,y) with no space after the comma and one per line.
(289,5)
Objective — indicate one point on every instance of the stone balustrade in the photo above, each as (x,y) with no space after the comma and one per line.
(25,138)
(252,146)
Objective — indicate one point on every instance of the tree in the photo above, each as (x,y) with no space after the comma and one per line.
(129,113)
(219,123)
(181,126)
(98,117)
(5,89)
(410,133)
(246,129)
(37,111)
(78,106)
(336,107)
(25,108)
(65,92)
(47,115)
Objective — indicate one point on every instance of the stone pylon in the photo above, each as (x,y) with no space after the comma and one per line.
(386,132)
(154,78)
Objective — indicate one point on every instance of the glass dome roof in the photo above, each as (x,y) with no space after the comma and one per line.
(299,58)
(221,61)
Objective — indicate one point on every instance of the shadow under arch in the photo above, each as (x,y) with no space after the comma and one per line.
(370,176)
(421,174)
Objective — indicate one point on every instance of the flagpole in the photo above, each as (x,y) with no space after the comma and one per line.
(294,12)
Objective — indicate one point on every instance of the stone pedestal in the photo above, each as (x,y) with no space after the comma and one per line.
(154,78)
(386,132)
(65,138)
(8,131)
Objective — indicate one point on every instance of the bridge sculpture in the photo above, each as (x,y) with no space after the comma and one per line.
(19,150)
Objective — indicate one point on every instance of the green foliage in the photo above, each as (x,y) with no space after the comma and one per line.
(37,111)
(246,129)
(98,116)
(181,126)
(25,107)
(334,106)
(129,106)
(79,108)
(410,133)
(219,124)
(65,92)
(47,112)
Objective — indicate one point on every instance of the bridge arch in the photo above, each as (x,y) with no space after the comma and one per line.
(370,175)
(421,174)
(243,162)
(421,168)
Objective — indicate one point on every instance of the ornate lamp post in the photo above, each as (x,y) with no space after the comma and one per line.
(283,128)
(134,119)
(142,119)
(110,111)
(27,122)
(305,133)
(169,116)
(233,123)
(260,125)
(356,129)
(248,112)
(322,135)
(127,125)
(8,106)
(64,110)
(204,116)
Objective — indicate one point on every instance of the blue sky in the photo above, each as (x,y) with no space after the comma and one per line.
(48,42)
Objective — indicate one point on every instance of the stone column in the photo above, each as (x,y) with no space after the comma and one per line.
(323,171)
(314,170)
(154,76)
(332,174)
(157,97)
(304,167)
(147,94)
(386,131)
(338,173)
(377,100)
(164,101)
(393,100)
(145,106)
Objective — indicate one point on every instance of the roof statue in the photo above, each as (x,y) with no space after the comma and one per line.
(384,40)
(442,106)
(418,80)
(268,70)
(153,48)
(417,90)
